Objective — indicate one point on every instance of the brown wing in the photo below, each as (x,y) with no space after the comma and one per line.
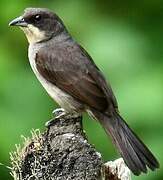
(71,70)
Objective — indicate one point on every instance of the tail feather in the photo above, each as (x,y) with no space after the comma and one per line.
(142,151)
(134,152)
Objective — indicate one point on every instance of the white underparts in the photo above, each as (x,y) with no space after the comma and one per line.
(63,99)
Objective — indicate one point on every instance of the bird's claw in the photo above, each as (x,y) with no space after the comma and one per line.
(59,112)
(49,123)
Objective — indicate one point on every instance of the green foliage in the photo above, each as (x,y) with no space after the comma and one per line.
(125,40)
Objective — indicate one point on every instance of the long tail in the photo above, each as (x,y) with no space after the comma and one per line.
(134,152)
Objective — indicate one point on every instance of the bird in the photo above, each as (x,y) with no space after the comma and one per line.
(73,80)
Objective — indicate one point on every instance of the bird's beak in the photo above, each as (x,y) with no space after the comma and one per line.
(19,21)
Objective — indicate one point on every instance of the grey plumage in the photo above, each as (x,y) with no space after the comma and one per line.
(72,79)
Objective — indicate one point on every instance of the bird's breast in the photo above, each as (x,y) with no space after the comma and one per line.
(63,99)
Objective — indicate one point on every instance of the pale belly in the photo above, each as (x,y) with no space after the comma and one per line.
(63,99)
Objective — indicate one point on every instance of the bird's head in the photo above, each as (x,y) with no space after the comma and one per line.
(39,24)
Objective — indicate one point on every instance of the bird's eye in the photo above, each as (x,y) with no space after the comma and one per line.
(37,17)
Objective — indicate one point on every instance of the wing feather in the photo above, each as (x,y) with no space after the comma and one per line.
(74,72)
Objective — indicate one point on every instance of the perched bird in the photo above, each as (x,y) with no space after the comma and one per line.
(72,79)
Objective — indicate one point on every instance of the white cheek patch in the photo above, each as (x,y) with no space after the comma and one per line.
(33,34)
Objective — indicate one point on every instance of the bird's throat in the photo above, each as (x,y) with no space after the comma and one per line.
(33,34)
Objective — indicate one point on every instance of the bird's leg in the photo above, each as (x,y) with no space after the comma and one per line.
(57,113)
(49,123)
(61,113)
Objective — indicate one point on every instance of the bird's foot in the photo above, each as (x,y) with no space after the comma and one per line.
(59,112)
(49,123)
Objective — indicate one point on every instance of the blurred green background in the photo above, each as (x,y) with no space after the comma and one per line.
(125,39)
